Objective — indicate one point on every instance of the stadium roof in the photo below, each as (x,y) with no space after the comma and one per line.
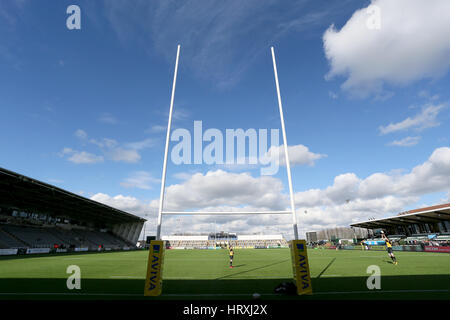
(27,194)
(432,214)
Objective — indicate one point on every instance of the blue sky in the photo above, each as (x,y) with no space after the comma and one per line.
(86,109)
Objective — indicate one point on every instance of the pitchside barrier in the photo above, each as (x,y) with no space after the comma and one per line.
(412,248)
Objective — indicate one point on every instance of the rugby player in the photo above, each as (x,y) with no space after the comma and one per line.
(389,247)
(231,257)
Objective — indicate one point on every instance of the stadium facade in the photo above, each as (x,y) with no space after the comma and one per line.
(36,217)
(224,240)
(335,234)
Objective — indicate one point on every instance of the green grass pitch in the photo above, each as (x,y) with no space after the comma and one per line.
(205,274)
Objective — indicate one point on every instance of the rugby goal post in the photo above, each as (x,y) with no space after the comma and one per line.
(153,285)
(161,211)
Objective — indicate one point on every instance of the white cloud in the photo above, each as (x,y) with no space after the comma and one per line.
(158,128)
(425,119)
(139,145)
(112,149)
(80,157)
(125,203)
(221,188)
(214,34)
(12,12)
(405,142)
(332,95)
(298,155)
(104,143)
(412,43)
(107,118)
(124,155)
(429,177)
(349,199)
(140,180)
(81,134)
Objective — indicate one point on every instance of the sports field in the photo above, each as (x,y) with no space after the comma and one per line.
(205,274)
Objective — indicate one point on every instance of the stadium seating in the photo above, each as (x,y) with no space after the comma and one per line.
(20,236)
(97,238)
(7,241)
(33,237)
(234,243)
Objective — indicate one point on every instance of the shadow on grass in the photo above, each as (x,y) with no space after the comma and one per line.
(247,271)
(62,254)
(393,287)
(325,269)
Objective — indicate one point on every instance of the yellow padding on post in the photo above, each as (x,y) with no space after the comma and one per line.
(153,282)
(301,267)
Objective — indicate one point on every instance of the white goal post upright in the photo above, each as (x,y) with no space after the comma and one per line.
(166,152)
(288,167)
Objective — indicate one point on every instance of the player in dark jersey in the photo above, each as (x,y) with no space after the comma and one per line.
(231,256)
(389,247)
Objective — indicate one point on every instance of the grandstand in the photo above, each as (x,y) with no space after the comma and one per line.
(36,217)
(423,229)
(213,241)
(414,225)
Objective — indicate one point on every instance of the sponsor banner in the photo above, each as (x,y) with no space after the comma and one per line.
(81,249)
(38,250)
(7,252)
(375,243)
(61,250)
(437,249)
(126,248)
(108,249)
(153,282)
(300,266)
(412,248)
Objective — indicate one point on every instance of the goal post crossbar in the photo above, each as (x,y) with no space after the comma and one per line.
(218,213)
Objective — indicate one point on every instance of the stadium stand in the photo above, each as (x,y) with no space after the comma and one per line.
(418,222)
(238,241)
(8,241)
(36,215)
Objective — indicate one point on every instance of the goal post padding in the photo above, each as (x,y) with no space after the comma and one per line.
(300,266)
(153,281)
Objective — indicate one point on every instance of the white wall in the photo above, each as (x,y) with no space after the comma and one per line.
(239,237)
(260,237)
(184,238)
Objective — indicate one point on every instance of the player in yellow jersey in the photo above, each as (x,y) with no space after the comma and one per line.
(231,256)
(389,247)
